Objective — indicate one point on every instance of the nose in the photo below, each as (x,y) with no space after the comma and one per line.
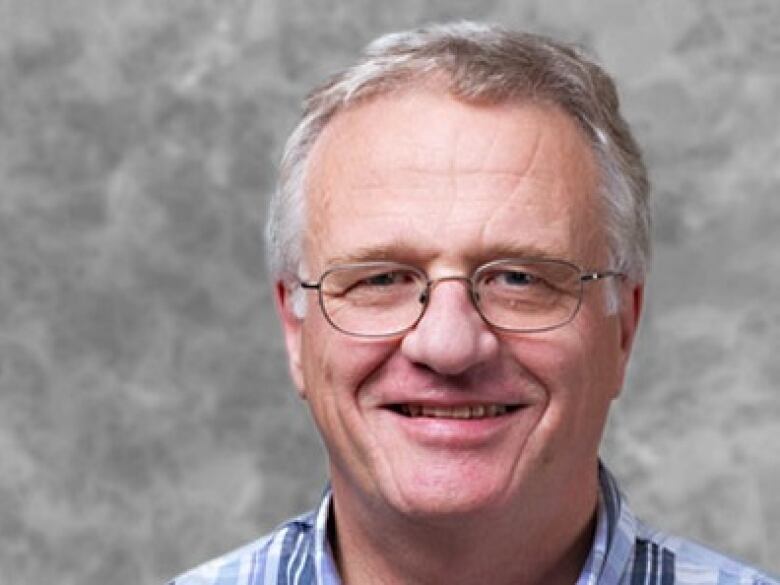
(451,337)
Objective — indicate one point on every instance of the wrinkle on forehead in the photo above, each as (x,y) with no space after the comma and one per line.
(375,173)
(441,150)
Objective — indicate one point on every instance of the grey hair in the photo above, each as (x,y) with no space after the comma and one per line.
(486,64)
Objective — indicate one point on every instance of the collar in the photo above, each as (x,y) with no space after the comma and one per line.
(324,563)
(614,539)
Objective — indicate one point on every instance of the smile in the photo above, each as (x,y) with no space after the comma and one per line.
(476,411)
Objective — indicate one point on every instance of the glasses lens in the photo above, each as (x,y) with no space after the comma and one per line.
(372,299)
(528,296)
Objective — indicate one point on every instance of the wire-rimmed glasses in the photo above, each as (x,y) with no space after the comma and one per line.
(382,299)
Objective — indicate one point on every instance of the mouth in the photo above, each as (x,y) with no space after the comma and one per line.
(460,412)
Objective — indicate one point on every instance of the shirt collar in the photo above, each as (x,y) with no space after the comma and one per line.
(621,530)
(324,563)
(598,552)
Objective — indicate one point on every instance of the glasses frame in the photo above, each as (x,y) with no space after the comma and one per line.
(584,277)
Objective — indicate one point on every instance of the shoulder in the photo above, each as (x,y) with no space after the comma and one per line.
(683,562)
(289,543)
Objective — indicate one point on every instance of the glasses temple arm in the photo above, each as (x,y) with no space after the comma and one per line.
(591,276)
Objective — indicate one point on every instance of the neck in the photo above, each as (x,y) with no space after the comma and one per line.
(527,545)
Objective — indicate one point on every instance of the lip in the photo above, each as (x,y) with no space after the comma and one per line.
(467,410)
(455,433)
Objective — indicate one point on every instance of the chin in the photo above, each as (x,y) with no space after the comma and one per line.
(434,496)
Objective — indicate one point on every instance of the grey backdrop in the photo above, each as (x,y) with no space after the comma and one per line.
(146,418)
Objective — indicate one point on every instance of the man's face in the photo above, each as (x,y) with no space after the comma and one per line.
(424,179)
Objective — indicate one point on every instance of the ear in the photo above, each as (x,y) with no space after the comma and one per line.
(632,296)
(630,313)
(291,327)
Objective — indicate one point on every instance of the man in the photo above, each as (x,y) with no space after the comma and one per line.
(459,243)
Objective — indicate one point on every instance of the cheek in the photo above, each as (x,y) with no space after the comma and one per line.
(577,397)
(335,365)
(555,360)
(337,370)
(586,367)
(605,359)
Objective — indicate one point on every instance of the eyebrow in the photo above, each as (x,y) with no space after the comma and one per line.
(397,251)
(526,251)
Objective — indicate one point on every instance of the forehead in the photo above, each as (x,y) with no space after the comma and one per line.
(425,174)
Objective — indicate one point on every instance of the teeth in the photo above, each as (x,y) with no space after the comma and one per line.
(496,409)
(456,412)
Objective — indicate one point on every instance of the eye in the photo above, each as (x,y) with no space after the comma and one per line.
(530,278)
(370,279)
(511,279)
(384,279)
(381,287)
(380,282)
(516,278)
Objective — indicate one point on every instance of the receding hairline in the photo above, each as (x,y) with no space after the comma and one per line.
(481,64)
(435,86)
(579,147)
(439,88)
(444,82)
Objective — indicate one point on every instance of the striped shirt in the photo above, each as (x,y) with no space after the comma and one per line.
(624,552)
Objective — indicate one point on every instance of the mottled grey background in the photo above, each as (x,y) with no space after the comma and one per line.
(146,418)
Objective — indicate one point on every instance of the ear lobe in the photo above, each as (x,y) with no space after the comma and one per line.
(292,329)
